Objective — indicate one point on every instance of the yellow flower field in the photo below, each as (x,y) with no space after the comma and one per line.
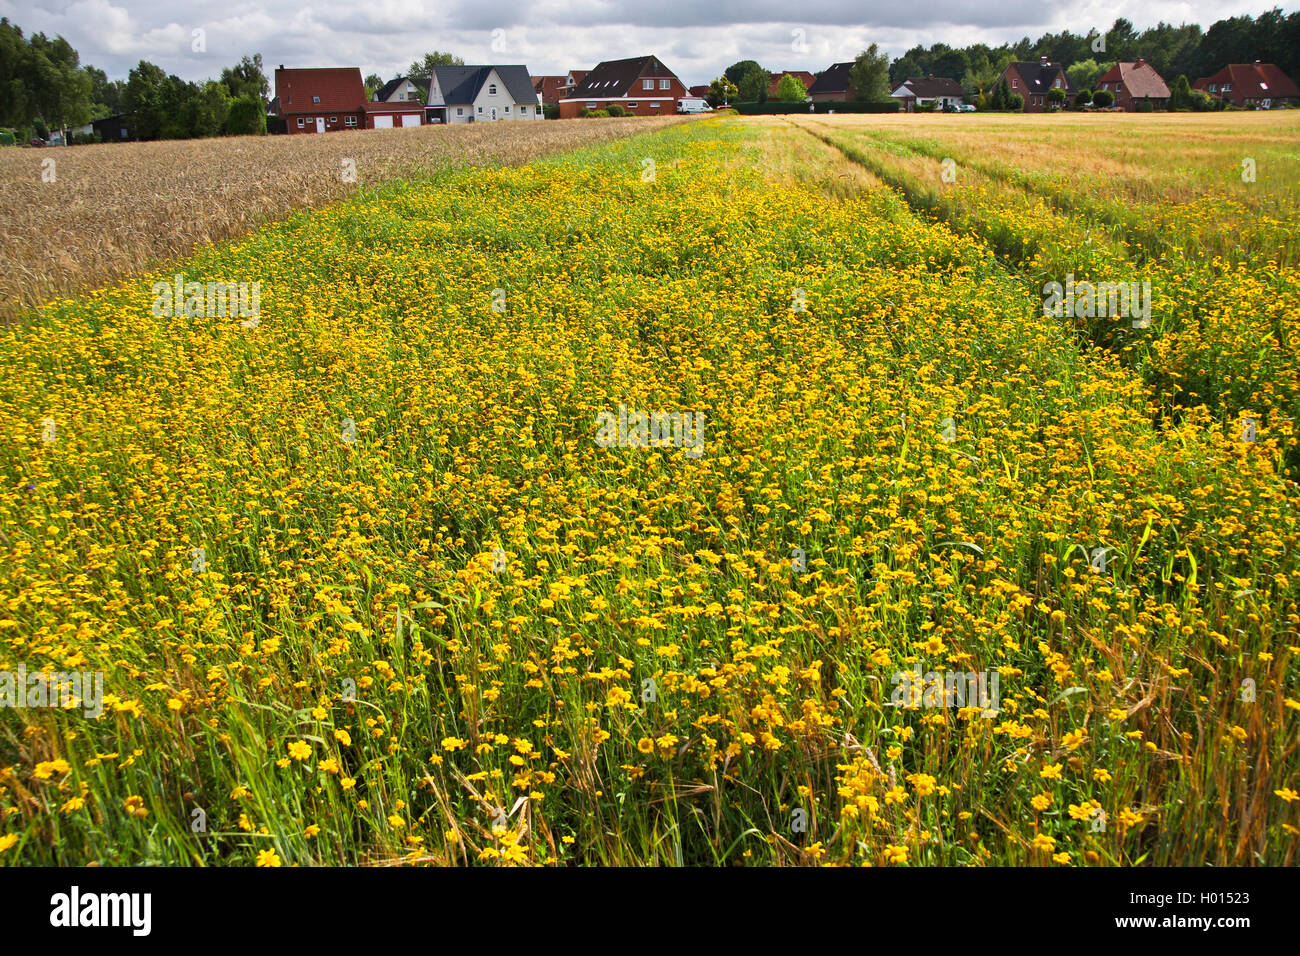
(367,585)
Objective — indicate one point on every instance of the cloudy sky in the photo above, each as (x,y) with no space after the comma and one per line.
(696,38)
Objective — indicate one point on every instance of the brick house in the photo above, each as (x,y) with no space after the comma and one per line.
(642,85)
(1033,81)
(803,76)
(1133,83)
(319,100)
(833,85)
(549,89)
(1256,84)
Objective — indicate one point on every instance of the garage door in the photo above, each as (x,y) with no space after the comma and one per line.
(383,122)
(411,120)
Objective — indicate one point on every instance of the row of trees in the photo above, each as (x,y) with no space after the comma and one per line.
(748,82)
(44,87)
(1273,37)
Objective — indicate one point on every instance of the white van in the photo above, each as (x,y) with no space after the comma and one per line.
(693,104)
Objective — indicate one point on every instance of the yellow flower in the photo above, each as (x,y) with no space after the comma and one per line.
(299,750)
(895,854)
(48,768)
(268,858)
(1051,771)
(343,737)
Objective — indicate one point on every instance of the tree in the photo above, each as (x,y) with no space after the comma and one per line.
(105,94)
(737,70)
(59,88)
(869,76)
(1103,98)
(1082,98)
(424,68)
(1084,73)
(144,99)
(721,92)
(1056,97)
(904,68)
(373,85)
(1015,103)
(1180,94)
(247,117)
(246,78)
(1001,97)
(753,86)
(791,90)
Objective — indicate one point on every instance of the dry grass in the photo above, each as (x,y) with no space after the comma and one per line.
(117,209)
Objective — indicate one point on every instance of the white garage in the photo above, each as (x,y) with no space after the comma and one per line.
(410,119)
(383,122)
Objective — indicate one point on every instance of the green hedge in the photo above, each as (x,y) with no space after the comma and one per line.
(750,109)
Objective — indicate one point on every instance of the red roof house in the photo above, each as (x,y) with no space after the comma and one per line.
(1134,83)
(1250,84)
(321,100)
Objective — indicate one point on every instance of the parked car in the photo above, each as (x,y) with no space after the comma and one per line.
(967,108)
(951,108)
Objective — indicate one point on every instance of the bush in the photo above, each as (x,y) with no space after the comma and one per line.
(7,137)
(592,114)
(551,111)
(615,109)
(926,107)
(1103,98)
(246,117)
(1146,106)
(1016,103)
(1082,98)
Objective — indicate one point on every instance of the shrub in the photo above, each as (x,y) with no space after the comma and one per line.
(551,111)
(1082,98)
(1015,103)
(616,109)
(247,117)
(1103,98)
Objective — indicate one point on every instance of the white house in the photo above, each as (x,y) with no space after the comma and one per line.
(481,94)
(942,90)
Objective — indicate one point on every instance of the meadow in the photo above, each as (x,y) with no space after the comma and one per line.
(367,587)
(78,218)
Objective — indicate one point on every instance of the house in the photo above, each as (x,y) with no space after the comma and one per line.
(1260,85)
(404,89)
(482,94)
(941,90)
(832,85)
(550,89)
(1134,83)
(1032,81)
(642,85)
(112,129)
(319,100)
(803,76)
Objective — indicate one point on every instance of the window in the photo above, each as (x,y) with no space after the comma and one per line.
(480,109)
(1119,87)
(1058,83)
(349,121)
(591,106)
(1014,83)
(507,109)
(522,109)
(334,119)
(647,84)
(315,99)
(1227,87)
(492,89)
(300,122)
(1263,85)
(460,111)
(1214,87)
(665,84)
(631,105)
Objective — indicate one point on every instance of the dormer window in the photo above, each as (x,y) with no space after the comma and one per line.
(315,99)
